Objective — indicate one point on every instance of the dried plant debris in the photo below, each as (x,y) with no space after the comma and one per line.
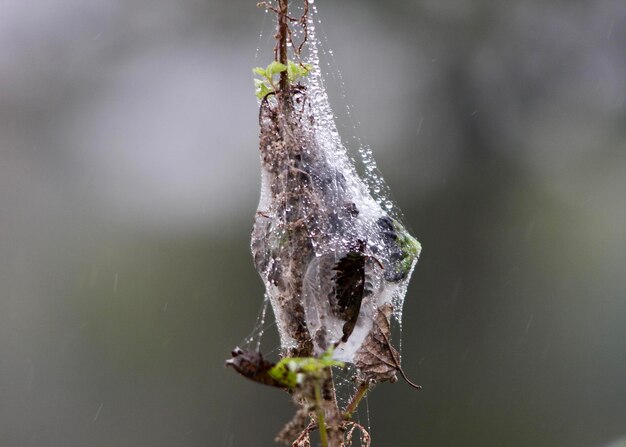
(366,440)
(377,360)
(299,428)
(253,366)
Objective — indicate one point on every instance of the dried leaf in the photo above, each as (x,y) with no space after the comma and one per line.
(253,366)
(304,440)
(366,439)
(377,360)
(350,287)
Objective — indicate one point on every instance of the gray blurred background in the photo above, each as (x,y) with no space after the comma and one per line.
(129,178)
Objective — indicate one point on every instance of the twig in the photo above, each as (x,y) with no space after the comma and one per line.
(356,399)
(319,409)
(281,36)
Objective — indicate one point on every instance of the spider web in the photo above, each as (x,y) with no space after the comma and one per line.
(351,216)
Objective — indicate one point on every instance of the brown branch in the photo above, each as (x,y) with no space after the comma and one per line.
(267,6)
(356,399)
(281,36)
(305,29)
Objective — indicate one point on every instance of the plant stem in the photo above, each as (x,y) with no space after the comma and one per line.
(283,6)
(319,409)
(354,403)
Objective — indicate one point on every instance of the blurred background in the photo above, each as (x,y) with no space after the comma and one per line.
(129,178)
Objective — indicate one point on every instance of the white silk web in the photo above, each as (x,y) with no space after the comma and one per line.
(328,242)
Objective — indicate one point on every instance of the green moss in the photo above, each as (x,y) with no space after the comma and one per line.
(410,246)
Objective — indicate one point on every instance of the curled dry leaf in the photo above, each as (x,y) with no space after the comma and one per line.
(253,366)
(377,360)
(366,439)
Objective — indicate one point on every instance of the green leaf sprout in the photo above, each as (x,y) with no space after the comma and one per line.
(268,84)
(297,71)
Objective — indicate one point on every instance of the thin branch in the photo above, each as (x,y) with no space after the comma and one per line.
(356,399)
(319,410)
(281,36)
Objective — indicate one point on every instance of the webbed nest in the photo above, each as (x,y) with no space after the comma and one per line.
(335,265)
